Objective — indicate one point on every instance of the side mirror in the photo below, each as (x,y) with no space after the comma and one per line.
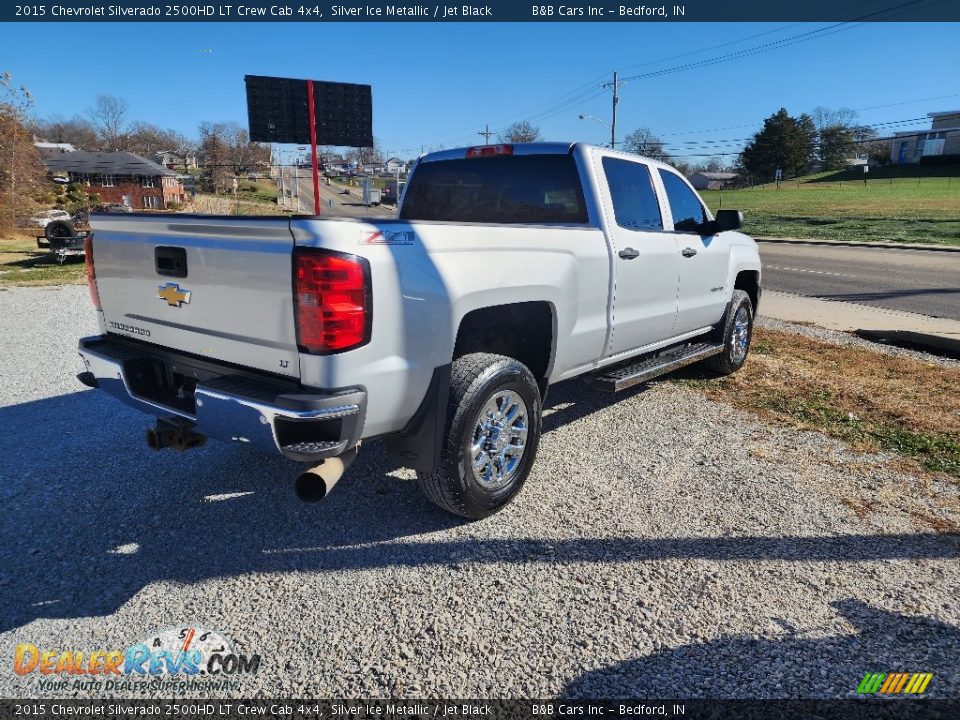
(729,219)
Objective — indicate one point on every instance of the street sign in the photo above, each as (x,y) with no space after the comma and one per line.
(277,111)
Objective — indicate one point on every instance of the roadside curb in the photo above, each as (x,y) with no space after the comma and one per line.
(938,336)
(841,243)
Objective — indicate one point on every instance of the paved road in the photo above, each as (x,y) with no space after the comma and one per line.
(916,281)
(333,202)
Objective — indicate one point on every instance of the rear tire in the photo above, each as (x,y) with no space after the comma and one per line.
(490,439)
(737,329)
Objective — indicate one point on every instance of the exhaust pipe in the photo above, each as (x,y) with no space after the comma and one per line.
(174,433)
(317,482)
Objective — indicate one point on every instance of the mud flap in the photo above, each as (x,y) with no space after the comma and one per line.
(418,445)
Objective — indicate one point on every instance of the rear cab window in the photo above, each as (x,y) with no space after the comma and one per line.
(688,212)
(509,189)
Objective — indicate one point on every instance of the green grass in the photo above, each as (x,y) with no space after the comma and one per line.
(897,204)
(261,191)
(872,401)
(23,263)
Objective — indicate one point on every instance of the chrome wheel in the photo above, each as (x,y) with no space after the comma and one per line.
(499,439)
(740,339)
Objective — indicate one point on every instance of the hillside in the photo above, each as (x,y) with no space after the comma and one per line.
(896,204)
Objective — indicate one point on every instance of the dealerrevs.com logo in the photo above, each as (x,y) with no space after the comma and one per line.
(186,652)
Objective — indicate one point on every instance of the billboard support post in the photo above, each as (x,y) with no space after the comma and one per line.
(311,109)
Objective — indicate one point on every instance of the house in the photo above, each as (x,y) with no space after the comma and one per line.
(943,138)
(120,177)
(713,180)
(176,161)
(394,165)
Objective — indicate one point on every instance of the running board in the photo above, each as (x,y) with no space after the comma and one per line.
(630,375)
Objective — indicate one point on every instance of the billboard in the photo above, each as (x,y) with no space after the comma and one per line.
(277,111)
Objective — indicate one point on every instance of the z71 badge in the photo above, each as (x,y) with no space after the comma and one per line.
(383,237)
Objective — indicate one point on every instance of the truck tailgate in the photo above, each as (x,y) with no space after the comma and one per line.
(219,287)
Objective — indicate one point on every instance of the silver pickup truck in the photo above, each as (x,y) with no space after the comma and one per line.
(508,268)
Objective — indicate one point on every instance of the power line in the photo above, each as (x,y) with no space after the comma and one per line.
(593,89)
(862,109)
(590,91)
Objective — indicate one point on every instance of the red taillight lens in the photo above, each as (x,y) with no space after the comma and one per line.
(91,271)
(332,301)
(489,150)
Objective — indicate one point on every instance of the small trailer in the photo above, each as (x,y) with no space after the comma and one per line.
(62,240)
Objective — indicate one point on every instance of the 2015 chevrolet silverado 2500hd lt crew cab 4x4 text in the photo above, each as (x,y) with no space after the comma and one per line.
(509,267)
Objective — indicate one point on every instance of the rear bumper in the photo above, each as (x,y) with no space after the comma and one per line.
(226,403)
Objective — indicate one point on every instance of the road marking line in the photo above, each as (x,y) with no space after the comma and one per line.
(817,272)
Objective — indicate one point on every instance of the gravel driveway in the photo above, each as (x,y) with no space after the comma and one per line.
(665,545)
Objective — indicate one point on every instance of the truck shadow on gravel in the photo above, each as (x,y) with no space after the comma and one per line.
(793,666)
(91,517)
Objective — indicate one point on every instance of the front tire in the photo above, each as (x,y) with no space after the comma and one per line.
(737,328)
(491,436)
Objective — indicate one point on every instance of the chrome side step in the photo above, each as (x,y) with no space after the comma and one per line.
(626,376)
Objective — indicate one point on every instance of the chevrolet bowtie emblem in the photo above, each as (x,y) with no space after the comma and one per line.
(174,296)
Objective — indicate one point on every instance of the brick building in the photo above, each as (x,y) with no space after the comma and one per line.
(120,177)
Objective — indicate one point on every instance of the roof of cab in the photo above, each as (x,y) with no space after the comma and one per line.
(532,148)
(539,148)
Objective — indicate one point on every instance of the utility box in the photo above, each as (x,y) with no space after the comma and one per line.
(371,194)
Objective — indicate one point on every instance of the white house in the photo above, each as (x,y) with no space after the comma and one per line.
(394,165)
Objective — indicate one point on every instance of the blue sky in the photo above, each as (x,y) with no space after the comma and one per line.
(439,84)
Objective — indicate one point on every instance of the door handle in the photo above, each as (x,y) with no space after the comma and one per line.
(688,252)
(629,253)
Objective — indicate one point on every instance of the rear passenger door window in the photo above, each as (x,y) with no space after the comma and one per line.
(688,212)
(635,205)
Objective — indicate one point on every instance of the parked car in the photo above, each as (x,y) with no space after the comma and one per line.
(45,217)
(509,268)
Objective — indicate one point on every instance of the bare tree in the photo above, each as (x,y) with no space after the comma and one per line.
(521,131)
(215,157)
(642,141)
(714,164)
(824,117)
(21,171)
(76,131)
(835,135)
(146,139)
(108,115)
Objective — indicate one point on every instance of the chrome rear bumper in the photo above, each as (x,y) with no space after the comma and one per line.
(301,424)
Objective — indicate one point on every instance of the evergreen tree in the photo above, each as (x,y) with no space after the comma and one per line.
(784,142)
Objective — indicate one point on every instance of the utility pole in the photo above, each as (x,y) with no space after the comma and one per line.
(486,132)
(615,86)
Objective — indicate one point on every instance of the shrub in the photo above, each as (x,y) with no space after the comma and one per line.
(953,159)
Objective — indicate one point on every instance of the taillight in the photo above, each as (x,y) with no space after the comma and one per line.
(91,271)
(489,150)
(332,300)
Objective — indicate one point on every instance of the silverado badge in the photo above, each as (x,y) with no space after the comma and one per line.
(174,296)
